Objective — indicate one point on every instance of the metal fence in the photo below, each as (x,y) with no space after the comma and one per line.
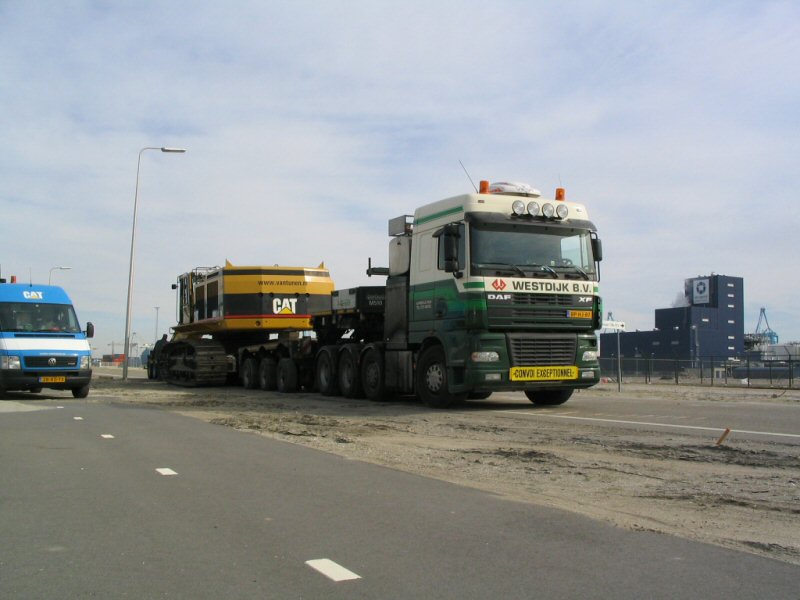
(705,371)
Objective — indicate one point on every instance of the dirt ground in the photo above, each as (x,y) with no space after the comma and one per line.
(742,494)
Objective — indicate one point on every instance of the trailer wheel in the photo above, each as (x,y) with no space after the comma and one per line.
(287,376)
(325,373)
(373,375)
(431,380)
(268,374)
(249,373)
(349,376)
(80,392)
(549,397)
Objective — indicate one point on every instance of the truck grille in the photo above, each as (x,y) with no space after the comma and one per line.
(541,300)
(38,362)
(535,311)
(535,350)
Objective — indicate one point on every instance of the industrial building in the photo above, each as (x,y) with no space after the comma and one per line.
(709,324)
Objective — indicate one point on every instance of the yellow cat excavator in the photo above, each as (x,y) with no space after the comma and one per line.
(226,314)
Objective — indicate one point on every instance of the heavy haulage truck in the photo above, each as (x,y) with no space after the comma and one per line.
(485,292)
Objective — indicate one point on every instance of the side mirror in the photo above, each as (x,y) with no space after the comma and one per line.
(450,252)
(597,249)
(89,330)
(449,241)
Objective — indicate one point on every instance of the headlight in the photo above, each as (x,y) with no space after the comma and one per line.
(590,355)
(85,362)
(485,357)
(562,211)
(9,362)
(533,208)
(548,210)
(518,207)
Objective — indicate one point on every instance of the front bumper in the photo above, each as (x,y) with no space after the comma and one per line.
(17,379)
(531,372)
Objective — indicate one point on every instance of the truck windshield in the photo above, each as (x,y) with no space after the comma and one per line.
(549,252)
(38,318)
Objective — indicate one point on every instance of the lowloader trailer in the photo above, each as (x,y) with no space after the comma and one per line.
(485,292)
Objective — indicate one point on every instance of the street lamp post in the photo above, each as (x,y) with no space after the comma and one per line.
(130,267)
(50,276)
(155,334)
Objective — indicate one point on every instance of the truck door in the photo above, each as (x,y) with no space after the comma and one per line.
(422,286)
(448,306)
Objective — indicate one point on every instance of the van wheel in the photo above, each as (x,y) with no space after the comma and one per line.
(81,392)
(549,397)
(287,376)
(431,380)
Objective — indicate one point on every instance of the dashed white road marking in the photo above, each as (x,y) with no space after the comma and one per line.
(166,471)
(331,570)
(107,436)
(77,418)
(650,424)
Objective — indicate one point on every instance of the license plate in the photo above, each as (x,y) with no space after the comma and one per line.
(542,373)
(61,379)
(579,314)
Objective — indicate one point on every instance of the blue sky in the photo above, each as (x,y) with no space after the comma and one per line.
(309,124)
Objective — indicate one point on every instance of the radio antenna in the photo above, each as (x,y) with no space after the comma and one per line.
(468,177)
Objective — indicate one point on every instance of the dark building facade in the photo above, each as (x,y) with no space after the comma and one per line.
(709,326)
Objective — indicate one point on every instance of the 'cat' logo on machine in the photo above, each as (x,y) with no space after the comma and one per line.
(284,306)
(33,295)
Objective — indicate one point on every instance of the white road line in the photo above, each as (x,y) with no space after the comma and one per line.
(77,418)
(649,424)
(106,436)
(166,471)
(331,570)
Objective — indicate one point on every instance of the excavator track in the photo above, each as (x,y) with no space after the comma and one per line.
(193,363)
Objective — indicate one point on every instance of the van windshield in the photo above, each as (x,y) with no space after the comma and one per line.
(38,318)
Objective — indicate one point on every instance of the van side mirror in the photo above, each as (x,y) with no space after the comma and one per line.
(89,330)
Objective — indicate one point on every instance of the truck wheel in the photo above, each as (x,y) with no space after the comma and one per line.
(287,376)
(249,373)
(549,397)
(373,375)
(36,390)
(81,392)
(431,380)
(325,373)
(349,377)
(268,374)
